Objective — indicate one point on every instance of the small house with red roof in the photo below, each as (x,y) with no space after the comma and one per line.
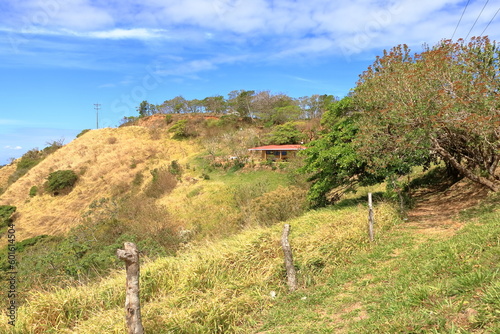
(277,152)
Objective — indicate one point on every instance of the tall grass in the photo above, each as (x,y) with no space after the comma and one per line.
(404,285)
(219,287)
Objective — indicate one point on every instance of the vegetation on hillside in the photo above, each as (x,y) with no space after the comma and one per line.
(30,159)
(411,110)
(207,216)
(265,106)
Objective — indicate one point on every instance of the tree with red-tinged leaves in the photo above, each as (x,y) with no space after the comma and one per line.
(444,102)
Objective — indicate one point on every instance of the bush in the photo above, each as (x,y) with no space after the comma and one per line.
(61,180)
(175,168)
(5,212)
(32,158)
(182,129)
(33,191)
(82,133)
(138,179)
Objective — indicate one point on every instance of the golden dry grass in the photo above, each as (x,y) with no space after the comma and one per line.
(213,287)
(104,159)
(5,172)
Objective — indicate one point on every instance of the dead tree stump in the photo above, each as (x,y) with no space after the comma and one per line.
(291,274)
(132,302)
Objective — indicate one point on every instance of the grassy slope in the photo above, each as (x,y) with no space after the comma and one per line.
(106,161)
(218,287)
(400,284)
(5,172)
(405,282)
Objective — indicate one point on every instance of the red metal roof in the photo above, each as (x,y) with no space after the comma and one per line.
(278,148)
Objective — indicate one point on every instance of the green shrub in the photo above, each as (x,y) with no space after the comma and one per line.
(82,133)
(5,212)
(182,129)
(175,168)
(33,191)
(169,118)
(32,158)
(138,179)
(61,180)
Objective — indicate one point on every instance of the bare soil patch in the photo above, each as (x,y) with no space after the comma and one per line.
(435,210)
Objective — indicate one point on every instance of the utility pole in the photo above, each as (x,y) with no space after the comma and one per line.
(97,106)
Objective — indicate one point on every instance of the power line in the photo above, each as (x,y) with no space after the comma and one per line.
(482,34)
(460,19)
(97,106)
(477,19)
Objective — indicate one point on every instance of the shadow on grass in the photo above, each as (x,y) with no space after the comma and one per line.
(435,180)
(489,205)
(350,202)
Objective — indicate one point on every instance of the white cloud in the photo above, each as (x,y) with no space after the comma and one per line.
(135,33)
(282,28)
(8,147)
(139,33)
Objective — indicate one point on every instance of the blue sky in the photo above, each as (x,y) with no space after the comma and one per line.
(59,57)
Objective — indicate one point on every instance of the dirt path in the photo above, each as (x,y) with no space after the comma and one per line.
(435,211)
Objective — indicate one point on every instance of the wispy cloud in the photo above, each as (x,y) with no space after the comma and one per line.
(262,29)
(8,147)
(134,33)
(9,121)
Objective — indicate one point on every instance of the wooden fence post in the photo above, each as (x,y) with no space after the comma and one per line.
(130,255)
(290,268)
(370,217)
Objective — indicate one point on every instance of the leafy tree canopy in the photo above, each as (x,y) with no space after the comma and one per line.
(441,102)
(332,161)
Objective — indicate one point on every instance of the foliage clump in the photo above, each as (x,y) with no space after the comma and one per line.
(413,110)
(182,129)
(440,103)
(61,181)
(32,158)
(6,212)
(287,133)
(33,191)
(82,133)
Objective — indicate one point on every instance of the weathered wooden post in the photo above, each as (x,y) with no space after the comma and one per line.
(370,217)
(290,268)
(130,255)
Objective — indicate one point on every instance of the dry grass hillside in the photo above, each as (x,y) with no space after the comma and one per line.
(5,172)
(106,162)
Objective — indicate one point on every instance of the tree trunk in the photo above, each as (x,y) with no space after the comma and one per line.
(132,302)
(290,268)
(466,172)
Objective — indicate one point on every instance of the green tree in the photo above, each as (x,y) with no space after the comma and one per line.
(332,162)
(241,102)
(443,101)
(287,133)
(146,109)
(216,104)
